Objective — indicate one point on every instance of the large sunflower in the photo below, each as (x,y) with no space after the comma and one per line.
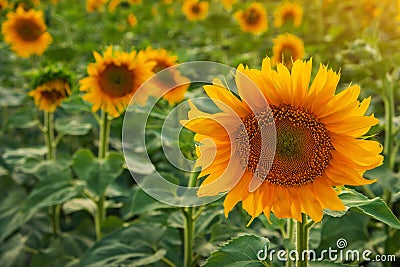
(318,141)
(195,10)
(26,32)
(254,19)
(114,78)
(179,83)
(287,48)
(288,13)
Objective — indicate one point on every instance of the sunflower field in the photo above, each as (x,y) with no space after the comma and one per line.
(199,133)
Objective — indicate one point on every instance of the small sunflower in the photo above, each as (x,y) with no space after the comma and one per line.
(26,32)
(254,19)
(112,5)
(179,83)
(132,20)
(227,4)
(287,48)
(114,78)
(51,87)
(318,142)
(195,10)
(3,4)
(288,13)
(95,5)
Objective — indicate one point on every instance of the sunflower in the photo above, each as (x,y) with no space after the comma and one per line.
(52,85)
(195,10)
(132,20)
(3,4)
(175,80)
(112,5)
(254,19)
(288,12)
(286,157)
(26,32)
(227,4)
(94,5)
(48,96)
(287,48)
(114,78)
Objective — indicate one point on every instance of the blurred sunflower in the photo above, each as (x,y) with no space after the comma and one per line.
(287,49)
(195,10)
(51,87)
(94,5)
(112,5)
(175,80)
(3,4)
(227,4)
(132,20)
(26,32)
(114,78)
(318,144)
(288,13)
(135,2)
(254,19)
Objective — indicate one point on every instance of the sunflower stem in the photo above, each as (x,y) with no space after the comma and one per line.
(302,241)
(190,221)
(289,235)
(48,132)
(105,125)
(389,114)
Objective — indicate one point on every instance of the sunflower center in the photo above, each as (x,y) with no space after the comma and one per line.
(117,81)
(303,146)
(288,17)
(287,53)
(55,91)
(160,66)
(196,9)
(27,30)
(252,16)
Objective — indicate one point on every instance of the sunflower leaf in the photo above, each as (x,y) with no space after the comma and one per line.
(97,173)
(241,251)
(135,245)
(375,208)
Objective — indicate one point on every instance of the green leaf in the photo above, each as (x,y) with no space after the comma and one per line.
(142,203)
(11,214)
(239,251)
(67,126)
(63,251)
(12,251)
(136,245)
(97,173)
(22,119)
(375,208)
(20,155)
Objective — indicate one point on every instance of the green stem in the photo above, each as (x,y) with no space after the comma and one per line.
(189,227)
(49,134)
(48,131)
(105,125)
(302,241)
(289,235)
(389,114)
(188,238)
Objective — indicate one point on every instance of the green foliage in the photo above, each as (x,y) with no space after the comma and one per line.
(97,173)
(239,251)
